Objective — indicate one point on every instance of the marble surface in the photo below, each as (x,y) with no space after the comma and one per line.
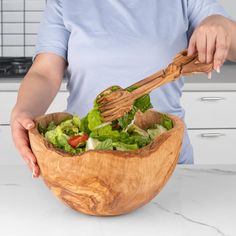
(197,200)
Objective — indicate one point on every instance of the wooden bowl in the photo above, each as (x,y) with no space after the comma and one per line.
(108,182)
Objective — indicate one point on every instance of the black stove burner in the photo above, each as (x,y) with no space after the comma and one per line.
(14,66)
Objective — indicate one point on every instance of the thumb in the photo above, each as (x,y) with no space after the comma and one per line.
(27,123)
(192,46)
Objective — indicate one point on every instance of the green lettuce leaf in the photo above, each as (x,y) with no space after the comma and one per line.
(125,120)
(84,125)
(167,122)
(134,129)
(76,121)
(94,119)
(51,126)
(51,136)
(131,88)
(61,140)
(105,145)
(156,130)
(69,149)
(141,141)
(143,103)
(105,132)
(124,147)
(57,137)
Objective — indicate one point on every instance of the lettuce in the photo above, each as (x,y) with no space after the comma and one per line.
(105,145)
(51,136)
(167,122)
(105,132)
(76,121)
(121,134)
(125,120)
(56,137)
(141,141)
(94,119)
(84,125)
(156,130)
(134,129)
(70,149)
(125,147)
(143,103)
(51,126)
(131,88)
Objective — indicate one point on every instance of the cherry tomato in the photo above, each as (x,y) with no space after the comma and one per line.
(74,141)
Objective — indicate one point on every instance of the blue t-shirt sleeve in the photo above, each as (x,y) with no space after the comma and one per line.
(198,10)
(52,35)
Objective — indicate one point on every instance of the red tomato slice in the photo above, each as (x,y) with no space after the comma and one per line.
(74,141)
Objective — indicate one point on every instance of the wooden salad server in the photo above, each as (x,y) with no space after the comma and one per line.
(119,102)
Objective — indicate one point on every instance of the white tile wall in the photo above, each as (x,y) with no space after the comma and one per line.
(12,40)
(37,5)
(13,16)
(12,5)
(19,20)
(12,28)
(10,51)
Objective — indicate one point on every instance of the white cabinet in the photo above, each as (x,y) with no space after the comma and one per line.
(8,100)
(211,118)
(214,146)
(210,109)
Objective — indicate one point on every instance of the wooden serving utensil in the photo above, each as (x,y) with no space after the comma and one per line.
(119,102)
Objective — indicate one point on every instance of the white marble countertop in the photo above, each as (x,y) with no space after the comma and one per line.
(197,200)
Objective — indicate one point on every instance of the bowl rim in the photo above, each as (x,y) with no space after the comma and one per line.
(141,152)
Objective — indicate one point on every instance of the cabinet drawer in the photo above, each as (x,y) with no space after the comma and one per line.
(214,146)
(210,109)
(8,153)
(8,100)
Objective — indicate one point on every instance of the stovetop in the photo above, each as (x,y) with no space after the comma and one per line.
(13,67)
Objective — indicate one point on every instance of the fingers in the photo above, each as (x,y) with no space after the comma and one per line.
(27,123)
(210,46)
(29,158)
(21,140)
(212,42)
(201,44)
(192,45)
(222,48)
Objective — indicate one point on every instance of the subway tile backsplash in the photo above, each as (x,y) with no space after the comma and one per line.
(19,21)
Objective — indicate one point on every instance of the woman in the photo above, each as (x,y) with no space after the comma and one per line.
(107,42)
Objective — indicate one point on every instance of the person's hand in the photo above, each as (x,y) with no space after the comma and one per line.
(212,40)
(21,122)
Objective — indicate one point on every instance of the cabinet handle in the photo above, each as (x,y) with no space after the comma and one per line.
(212,98)
(212,135)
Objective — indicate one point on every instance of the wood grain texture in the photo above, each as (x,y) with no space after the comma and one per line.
(108,182)
(117,103)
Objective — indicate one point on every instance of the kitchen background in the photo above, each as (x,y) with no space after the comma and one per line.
(19,21)
(209,105)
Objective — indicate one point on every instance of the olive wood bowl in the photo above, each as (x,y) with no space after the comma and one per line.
(107,182)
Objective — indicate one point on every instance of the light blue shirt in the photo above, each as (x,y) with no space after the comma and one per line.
(118,42)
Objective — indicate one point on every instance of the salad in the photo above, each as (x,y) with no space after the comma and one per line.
(77,135)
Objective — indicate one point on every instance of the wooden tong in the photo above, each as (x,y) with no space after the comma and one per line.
(119,102)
